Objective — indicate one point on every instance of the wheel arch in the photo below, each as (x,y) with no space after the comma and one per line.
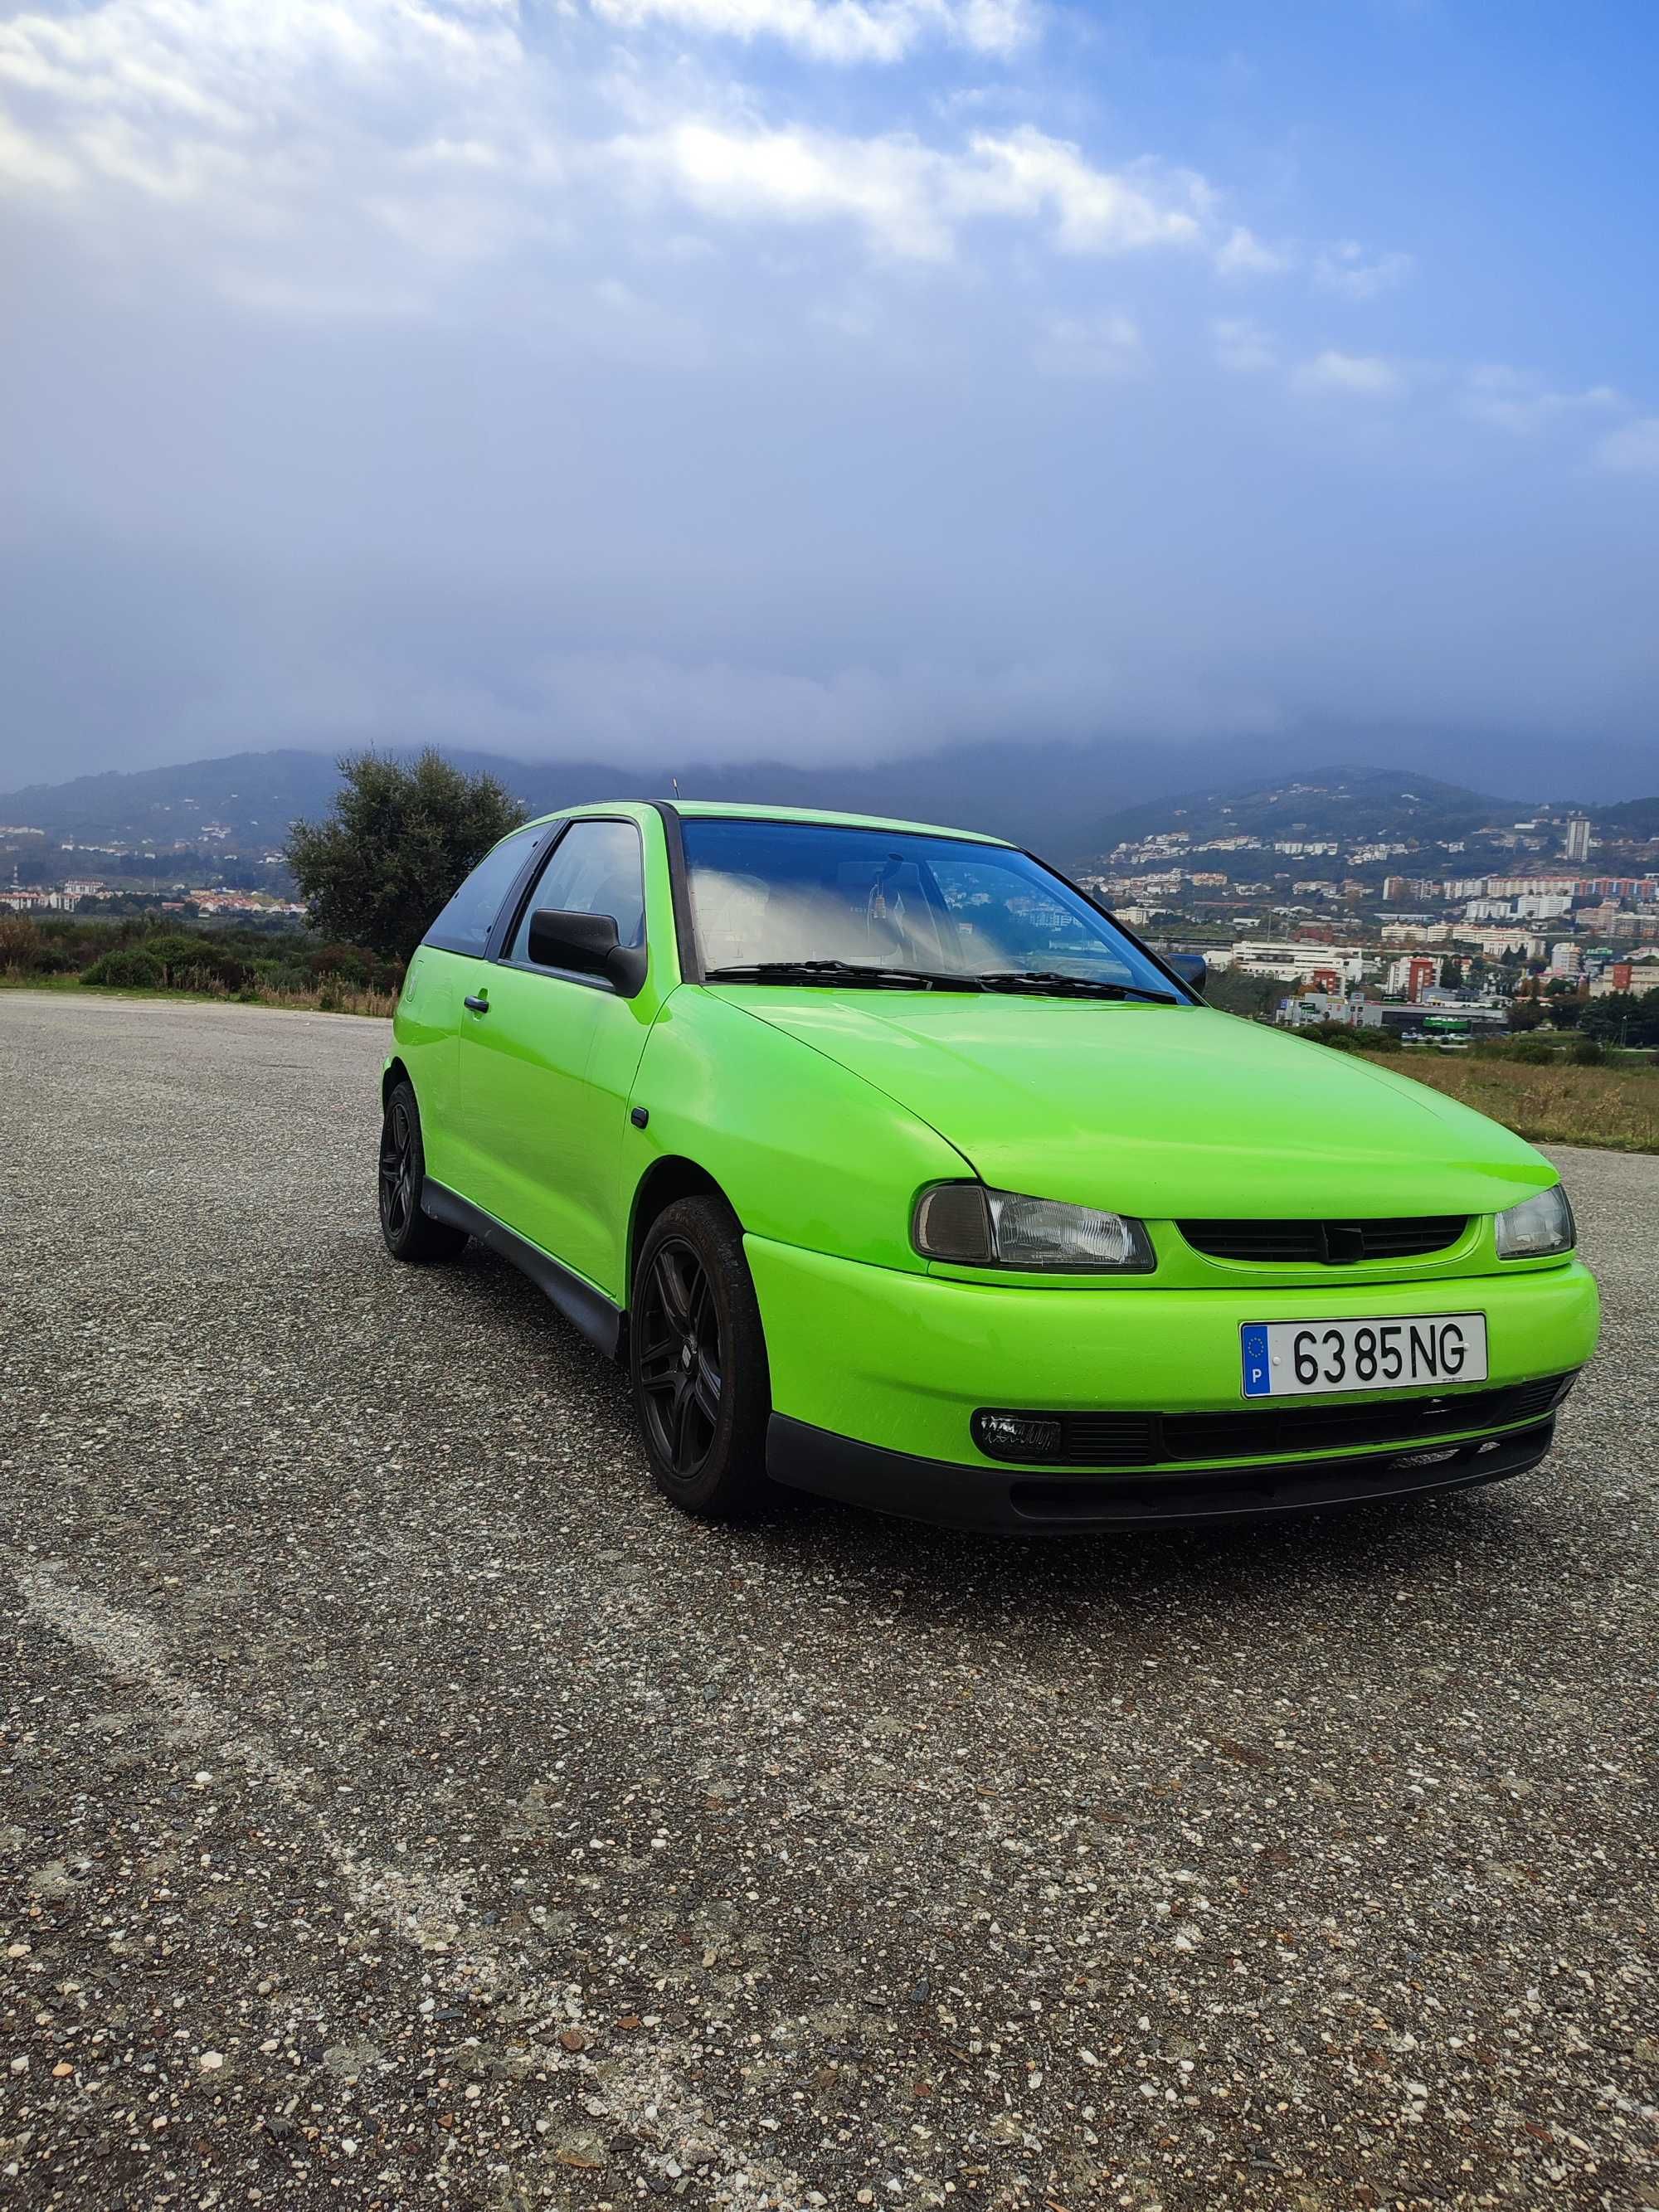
(672,1176)
(394,1073)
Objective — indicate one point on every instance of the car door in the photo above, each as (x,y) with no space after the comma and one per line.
(546,1071)
(450,963)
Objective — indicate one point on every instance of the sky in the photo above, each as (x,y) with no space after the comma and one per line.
(828,380)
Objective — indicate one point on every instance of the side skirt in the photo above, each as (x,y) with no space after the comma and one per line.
(589,1310)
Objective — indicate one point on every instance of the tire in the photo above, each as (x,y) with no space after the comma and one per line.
(411,1236)
(703,1392)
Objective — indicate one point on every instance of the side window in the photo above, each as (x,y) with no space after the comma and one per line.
(596,867)
(464,924)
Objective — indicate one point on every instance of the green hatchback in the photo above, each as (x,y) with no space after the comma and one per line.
(897,1170)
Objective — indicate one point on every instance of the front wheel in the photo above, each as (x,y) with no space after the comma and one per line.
(410,1234)
(697,1359)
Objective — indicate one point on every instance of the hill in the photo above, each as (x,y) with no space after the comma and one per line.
(1366,805)
(1635,821)
(1072,802)
(1037,794)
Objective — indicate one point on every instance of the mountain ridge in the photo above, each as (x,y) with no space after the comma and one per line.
(1074,802)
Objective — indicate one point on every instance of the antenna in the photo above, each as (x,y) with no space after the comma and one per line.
(675,781)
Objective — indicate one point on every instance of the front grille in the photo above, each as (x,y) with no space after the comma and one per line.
(1271,1431)
(1325,1243)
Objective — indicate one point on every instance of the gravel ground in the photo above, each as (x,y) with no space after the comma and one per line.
(399,1806)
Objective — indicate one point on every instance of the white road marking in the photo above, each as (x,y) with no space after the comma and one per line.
(421,1909)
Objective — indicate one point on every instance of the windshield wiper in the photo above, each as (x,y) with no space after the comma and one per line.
(841,971)
(1049,982)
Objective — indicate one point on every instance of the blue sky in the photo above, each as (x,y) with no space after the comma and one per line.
(828,379)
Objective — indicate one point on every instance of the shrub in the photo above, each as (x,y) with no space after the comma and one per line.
(1531,1052)
(1378,1040)
(20,943)
(133,971)
(348,962)
(1587,1052)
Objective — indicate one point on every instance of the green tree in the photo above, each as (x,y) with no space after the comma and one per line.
(398,842)
(1524,1014)
(1623,1017)
(1451,975)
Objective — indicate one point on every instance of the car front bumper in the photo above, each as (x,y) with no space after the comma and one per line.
(876,1374)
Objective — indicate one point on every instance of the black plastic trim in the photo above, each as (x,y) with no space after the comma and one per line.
(1259,1430)
(686,949)
(1011,1502)
(590,1310)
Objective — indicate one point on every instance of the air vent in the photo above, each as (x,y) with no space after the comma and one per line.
(1252,1432)
(1325,1243)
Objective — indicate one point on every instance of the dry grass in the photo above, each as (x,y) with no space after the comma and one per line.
(342,998)
(1616,1108)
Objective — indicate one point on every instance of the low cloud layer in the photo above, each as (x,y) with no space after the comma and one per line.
(814,379)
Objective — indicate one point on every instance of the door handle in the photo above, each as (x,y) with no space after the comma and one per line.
(477,1005)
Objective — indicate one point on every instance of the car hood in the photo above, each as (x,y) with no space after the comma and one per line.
(1160,1112)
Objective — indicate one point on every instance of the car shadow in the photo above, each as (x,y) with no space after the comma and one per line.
(919,1572)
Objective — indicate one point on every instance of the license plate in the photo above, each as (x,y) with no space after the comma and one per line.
(1302,1358)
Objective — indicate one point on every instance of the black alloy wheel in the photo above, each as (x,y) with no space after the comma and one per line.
(410,1234)
(397,1171)
(697,1358)
(679,1369)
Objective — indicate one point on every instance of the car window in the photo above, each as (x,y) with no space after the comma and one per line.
(596,867)
(463,926)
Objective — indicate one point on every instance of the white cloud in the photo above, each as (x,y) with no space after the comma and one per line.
(1632,450)
(1519,401)
(1242,346)
(910,199)
(839,31)
(1344,268)
(1103,344)
(1366,376)
(1241,253)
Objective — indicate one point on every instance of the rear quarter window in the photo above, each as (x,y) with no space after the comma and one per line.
(464,924)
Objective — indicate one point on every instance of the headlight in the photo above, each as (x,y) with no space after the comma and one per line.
(980,1228)
(1539,1225)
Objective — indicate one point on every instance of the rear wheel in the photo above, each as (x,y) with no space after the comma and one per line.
(410,1234)
(697,1358)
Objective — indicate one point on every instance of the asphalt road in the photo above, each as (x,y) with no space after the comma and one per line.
(399,1806)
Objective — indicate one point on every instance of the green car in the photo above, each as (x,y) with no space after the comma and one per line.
(897,1170)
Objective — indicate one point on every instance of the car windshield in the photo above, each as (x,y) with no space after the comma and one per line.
(805,895)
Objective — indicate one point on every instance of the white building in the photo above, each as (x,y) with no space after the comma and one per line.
(1294,962)
(1579,837)
(1567,959)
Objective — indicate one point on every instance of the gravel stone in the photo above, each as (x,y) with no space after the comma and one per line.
(368,1723)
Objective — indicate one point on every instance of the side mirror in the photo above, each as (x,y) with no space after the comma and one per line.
(586,945)
(1191,967)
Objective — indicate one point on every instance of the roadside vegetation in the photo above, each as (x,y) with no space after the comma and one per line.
(1570,1089)
(159,954)
(399,840)
(1560,1100)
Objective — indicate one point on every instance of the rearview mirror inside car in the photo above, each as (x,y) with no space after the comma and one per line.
(586,944)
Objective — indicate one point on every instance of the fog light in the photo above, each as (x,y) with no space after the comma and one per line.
(1016,1436)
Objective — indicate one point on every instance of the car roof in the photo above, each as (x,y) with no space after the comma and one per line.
(718,809)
